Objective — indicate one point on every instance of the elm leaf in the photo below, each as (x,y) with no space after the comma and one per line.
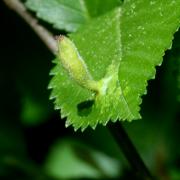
(121,50)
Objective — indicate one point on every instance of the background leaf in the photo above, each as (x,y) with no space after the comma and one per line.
(69,15)
(71,159)
(63,14)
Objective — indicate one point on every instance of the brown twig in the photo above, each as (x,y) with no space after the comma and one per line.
(42,32)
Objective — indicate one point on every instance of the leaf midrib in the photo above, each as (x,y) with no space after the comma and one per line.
(120,46)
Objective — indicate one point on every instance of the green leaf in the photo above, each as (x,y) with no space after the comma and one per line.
(68,159)
(63,14)
(69,15)
(99,7)
(120,50)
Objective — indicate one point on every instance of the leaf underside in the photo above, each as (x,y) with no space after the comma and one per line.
(63,14)
(69,15)
(125,44)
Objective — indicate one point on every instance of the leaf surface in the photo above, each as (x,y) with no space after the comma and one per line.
(69,15)
(99,7)
(63,14)
(121,50)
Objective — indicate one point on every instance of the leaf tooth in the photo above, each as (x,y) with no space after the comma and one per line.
(76,126)
(107,119)
(123,118)
(57,107)
(63,115)
(118,117)
(53,95)
(53,73)
(68,123)
(94,126)
(84,126)
(105,123)
(50,86)
(76,122)
(55,61)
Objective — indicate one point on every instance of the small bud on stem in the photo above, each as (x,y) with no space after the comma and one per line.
(74,64)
